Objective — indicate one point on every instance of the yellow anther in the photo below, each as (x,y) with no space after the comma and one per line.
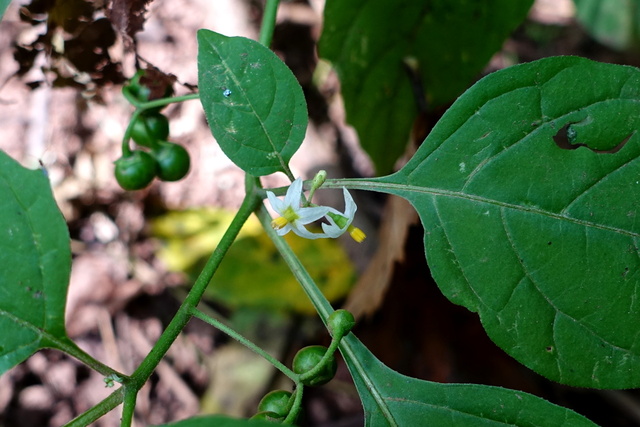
(356,234)
(279,222)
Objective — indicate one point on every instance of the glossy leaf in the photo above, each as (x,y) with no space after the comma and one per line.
(253,103)
(392,399)
(528,191)
(368,40)
(218,421)
(35,263)
(614,23)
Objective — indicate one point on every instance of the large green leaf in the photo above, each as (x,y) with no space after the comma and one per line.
(35,262)
(367,41)
(254,104)
(614,23)
(392,399)
(542,241)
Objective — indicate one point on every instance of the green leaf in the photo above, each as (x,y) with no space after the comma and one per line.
(542,241)
(614,23)
(35,263)
(253,102)
(367,41)
(390,398)
(218,421)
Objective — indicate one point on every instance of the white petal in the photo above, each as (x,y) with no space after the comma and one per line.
(333,230)
(294,194)
(284,230)
(309,215)
(301,231)
(350,207)
(277,204)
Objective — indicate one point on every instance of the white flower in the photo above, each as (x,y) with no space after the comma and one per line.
(339,222)
(294,217)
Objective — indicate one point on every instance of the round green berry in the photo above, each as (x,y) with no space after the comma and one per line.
(172,159)
(149,128)
(307,358)
(268,416)
(276,401)
(340,323)
(135,171)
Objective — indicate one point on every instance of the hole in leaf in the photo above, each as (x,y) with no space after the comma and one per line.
(567,138)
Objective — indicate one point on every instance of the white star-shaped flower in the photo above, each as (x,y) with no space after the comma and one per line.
(339,222)
(294,217)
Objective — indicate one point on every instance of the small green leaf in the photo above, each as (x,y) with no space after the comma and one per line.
(35,263)
(254,105)
(392,399)
(368,40)
(218,421)
(541,239)
(614,23)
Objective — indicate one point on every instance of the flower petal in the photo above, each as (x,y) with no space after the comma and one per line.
(301,231)
(294,193)
(350,206)
(278,205)
(309,215)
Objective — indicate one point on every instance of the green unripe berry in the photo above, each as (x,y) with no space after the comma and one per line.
(172,159)
(268,416)
(307,358)
(136,171)
(149,128)
(276,401)
(340,323)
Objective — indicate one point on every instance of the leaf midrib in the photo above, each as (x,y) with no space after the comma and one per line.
(400,189)
(282,162)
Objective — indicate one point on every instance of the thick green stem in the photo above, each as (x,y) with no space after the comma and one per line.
(93,414)
(296,406)
(245,342)
(268,22)
(324,309)
(179,321)
(321,304)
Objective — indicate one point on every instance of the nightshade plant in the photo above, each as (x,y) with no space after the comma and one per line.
(527,189)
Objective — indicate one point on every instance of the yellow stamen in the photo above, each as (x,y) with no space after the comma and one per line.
(279,222)
(356,234)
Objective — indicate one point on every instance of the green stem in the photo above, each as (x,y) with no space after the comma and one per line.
(321,304)
(297,405)
(245,342)
(268,22)
(141,107)
(324,309)
(130,396)
(182,317)
(72,349)
(161,102)
(321,364)
(93,414)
